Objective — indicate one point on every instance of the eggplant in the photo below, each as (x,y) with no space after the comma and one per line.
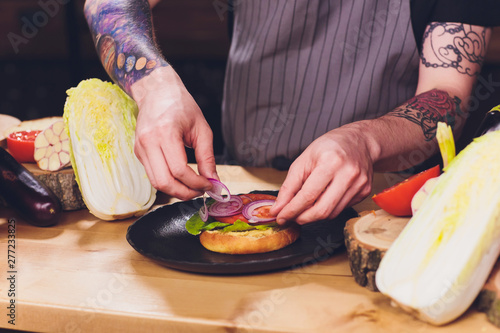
(490,123)
(27,195)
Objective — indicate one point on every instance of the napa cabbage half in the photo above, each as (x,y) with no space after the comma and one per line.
(100,119)
(439,262)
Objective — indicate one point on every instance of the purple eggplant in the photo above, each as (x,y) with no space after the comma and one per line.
(27,195)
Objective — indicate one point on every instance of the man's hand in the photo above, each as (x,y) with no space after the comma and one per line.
(334,172)
(169,119)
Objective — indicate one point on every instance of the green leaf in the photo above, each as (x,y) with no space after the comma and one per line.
(243,226)
(195,224)
(214,225)
(266,226)
(238,226)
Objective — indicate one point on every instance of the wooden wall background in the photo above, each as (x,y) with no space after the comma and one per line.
(191,34)
(60,54)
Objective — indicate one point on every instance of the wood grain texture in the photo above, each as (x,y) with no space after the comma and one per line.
(367,238)
(83,276)
(62,183)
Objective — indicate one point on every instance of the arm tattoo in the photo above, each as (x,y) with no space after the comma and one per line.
(429,108)
(454,45)
(124,39)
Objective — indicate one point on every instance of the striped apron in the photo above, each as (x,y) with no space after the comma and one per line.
(300,68)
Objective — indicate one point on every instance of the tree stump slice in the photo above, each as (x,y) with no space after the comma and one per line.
(62,183)
(488,300)
(367,238)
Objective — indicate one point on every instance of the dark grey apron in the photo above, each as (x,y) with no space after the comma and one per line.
(300,68)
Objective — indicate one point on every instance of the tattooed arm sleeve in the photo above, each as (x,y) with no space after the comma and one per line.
(450,61)
(123,36)
(450,64)
(429,108)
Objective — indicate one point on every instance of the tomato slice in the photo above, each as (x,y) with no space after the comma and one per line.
(256,196)
(21,145)
(396,200)
(246,199)
(263,212)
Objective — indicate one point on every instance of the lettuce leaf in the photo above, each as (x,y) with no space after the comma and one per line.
(243,226)
(195,225)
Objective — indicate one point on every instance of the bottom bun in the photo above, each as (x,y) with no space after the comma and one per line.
(248,242)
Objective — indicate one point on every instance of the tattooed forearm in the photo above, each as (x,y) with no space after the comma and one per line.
(429,108)
(454,45)
(123,35)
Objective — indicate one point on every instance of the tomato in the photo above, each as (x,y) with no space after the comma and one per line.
(263,212)
(21,145)
(396,200)
(256,196)
(246,199)
(231,219)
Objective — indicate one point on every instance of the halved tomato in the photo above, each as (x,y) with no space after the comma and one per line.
(246,199)
(21,145)
(396,200)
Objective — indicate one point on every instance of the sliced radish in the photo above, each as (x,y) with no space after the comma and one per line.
(52,148)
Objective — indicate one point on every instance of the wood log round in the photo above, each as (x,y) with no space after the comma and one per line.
(488,300)
(62,183)
(367,238)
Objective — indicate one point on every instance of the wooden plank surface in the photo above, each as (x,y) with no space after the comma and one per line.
(83,276)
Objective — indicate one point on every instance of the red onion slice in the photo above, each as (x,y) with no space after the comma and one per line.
(217,191)
(249,211)
(229,208)
(203,210)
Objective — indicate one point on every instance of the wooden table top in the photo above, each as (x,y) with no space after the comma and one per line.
(83,276)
